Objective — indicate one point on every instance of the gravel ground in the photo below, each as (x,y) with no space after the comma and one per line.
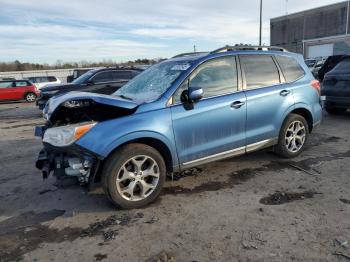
(256,207)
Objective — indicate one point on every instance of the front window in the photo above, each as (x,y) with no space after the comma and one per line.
(152,83)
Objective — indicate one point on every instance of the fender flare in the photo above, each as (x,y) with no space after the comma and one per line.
(290,109)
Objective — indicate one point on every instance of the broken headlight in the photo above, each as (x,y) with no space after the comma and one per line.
(66,135)
(76,103)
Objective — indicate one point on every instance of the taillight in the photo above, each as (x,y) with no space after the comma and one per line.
(317,85)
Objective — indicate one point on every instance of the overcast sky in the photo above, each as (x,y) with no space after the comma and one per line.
(93,30)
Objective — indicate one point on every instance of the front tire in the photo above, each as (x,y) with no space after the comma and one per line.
(293,136)
(30,97)
(133,176)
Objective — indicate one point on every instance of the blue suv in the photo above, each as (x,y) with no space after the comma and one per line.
(183,112)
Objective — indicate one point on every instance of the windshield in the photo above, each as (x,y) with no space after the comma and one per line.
(152,83)
(83,78)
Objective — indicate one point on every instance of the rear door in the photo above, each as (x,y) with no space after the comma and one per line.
(214,127)
(267,99)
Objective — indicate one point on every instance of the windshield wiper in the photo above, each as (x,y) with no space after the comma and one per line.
(125,97)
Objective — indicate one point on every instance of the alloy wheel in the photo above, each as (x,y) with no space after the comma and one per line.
(137,178)
(295,136)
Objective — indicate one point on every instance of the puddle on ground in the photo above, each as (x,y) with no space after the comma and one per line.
(24,233)
(233,179)
(316,139)
(245,174)
(279,198)
(345,201)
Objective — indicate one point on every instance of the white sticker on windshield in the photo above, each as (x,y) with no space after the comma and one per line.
(180,67)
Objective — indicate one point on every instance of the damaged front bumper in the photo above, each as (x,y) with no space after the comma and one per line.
(71,161)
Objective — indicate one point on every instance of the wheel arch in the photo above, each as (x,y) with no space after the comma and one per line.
(159,144)
(304,112)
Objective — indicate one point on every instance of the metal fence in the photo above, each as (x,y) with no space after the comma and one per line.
(58,73)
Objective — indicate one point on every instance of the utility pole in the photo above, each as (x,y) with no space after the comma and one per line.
(194,49)
(347,19)
(260,27)
(286,7)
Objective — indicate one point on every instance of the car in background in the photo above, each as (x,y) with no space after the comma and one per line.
(310,63)
(102,81)
(328,65)
(18,90)
(184,112)
(41,81)
(336,88)
(77,73)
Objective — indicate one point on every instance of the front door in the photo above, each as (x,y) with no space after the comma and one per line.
(214,127)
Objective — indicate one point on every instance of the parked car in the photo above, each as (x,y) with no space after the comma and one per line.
(18,90)
(102,81)
(184,112)
(42,81)
(336,88)
(77,73)
(328,65)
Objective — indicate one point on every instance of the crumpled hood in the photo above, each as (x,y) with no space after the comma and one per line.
(109,100)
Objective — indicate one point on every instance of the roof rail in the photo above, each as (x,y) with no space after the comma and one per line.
(228,48)
(189,54)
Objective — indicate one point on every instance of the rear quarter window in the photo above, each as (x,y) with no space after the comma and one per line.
(21,83)
(290,67)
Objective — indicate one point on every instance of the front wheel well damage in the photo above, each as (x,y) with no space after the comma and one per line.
(158,145)
(306,114)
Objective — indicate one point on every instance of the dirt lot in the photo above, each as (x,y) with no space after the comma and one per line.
(252,208)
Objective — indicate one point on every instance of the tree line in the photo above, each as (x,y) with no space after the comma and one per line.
(19,66)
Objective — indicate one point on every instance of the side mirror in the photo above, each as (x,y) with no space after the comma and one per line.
(195,94)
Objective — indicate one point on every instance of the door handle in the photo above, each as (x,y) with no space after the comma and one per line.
(108,85)
(237,104)
(284,92)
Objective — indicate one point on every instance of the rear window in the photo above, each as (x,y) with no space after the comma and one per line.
(21,83)
(290,68)
(259,70)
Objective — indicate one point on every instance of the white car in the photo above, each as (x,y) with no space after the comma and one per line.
(41,81)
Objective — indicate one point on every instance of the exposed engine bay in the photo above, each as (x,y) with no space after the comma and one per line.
(67,121)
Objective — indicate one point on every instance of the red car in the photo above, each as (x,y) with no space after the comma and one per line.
(18,90)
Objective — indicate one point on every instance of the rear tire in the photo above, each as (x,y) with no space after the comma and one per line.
(335,111)
(30,97)
(293,136)
(133,176)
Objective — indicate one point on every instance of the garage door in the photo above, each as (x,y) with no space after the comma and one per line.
(320,50)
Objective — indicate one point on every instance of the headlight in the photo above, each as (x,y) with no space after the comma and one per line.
(66,135)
